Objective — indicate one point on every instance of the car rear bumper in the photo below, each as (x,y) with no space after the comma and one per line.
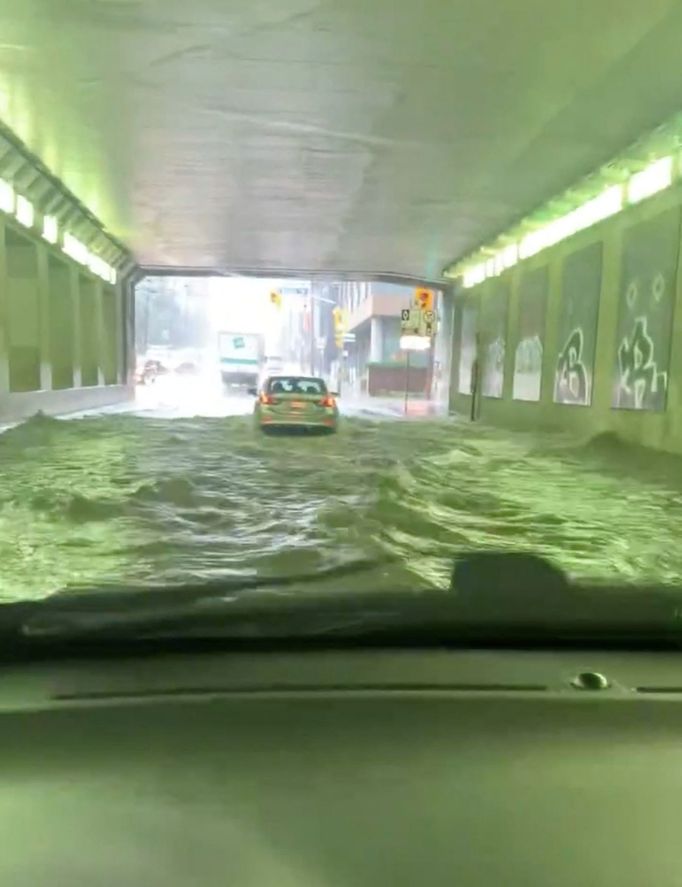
(328,423)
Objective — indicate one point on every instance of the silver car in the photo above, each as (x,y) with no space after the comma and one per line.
(296,402)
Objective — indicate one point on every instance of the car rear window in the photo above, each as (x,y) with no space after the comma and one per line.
(296,385)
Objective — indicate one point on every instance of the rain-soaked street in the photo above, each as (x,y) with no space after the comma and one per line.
(150,498)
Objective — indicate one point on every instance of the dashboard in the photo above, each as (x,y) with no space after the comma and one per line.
(357,768)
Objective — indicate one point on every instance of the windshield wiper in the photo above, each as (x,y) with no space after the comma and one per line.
(82,608)
(494,599)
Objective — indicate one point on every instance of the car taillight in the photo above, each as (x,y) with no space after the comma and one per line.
(268,400)
(328,401)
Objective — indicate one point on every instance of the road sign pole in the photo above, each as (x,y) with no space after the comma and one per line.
(474,388)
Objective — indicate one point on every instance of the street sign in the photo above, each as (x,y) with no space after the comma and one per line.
(423,299)
(427,327)
(410,318)
(414,343)
(417,322)
(349,337)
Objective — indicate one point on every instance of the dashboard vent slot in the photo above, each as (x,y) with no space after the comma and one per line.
(308,689)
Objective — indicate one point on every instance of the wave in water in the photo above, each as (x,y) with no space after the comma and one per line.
(125,499)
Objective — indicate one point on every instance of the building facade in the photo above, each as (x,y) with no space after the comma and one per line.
(374,362)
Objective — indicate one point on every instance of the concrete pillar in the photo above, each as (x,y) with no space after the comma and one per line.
(376,342)
(44,318)
(75,299)
(443,346)
(551,342)
(4,332)
(23,312)
(109,363)
(512,339)
(89,331)
(127,304)
(455,355)
(62,323)
(99,337)
(119,293)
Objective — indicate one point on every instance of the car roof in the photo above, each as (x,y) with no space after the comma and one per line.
(296,377)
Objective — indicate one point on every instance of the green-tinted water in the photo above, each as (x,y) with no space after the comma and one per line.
(145,500)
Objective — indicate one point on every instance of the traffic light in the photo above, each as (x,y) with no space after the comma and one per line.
(276,298)
(423,299)
(339,325)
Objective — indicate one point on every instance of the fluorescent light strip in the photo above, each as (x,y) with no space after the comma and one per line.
(6,196)
(24,212)
(655,177)
(75,249)
(652,179)
(606,204)
(80,253)
(50,229)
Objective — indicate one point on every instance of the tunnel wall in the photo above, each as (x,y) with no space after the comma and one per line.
(63,331)
(585,336)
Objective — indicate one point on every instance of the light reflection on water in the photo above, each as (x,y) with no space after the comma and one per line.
(124,498)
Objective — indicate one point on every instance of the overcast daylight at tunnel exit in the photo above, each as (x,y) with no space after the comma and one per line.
(329,297)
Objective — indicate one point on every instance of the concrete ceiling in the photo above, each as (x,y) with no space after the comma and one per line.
(341,136)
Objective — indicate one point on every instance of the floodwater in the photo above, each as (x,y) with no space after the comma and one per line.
(155,499)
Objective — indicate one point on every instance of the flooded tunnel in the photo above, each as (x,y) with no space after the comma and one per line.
(488,413)
(340,442)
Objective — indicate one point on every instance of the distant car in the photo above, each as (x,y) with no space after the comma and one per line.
(295,402)
(187,368)
(146,372)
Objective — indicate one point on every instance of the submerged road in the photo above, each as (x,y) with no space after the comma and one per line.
(161,497)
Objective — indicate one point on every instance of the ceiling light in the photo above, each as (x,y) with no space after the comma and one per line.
(6,196)
(24,212)
(50,229)
(650,180)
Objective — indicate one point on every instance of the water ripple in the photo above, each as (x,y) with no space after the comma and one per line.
(133,499)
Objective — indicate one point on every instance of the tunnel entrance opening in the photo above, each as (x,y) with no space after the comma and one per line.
(233,332)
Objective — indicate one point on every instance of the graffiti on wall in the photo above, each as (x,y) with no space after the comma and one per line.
(529,351)
(640,376)
(571,383)
(493,368)
(577,331)
(646,304)
(494,337)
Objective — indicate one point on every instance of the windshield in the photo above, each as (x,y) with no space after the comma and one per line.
(295,385)
(409,302)
(187,483)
